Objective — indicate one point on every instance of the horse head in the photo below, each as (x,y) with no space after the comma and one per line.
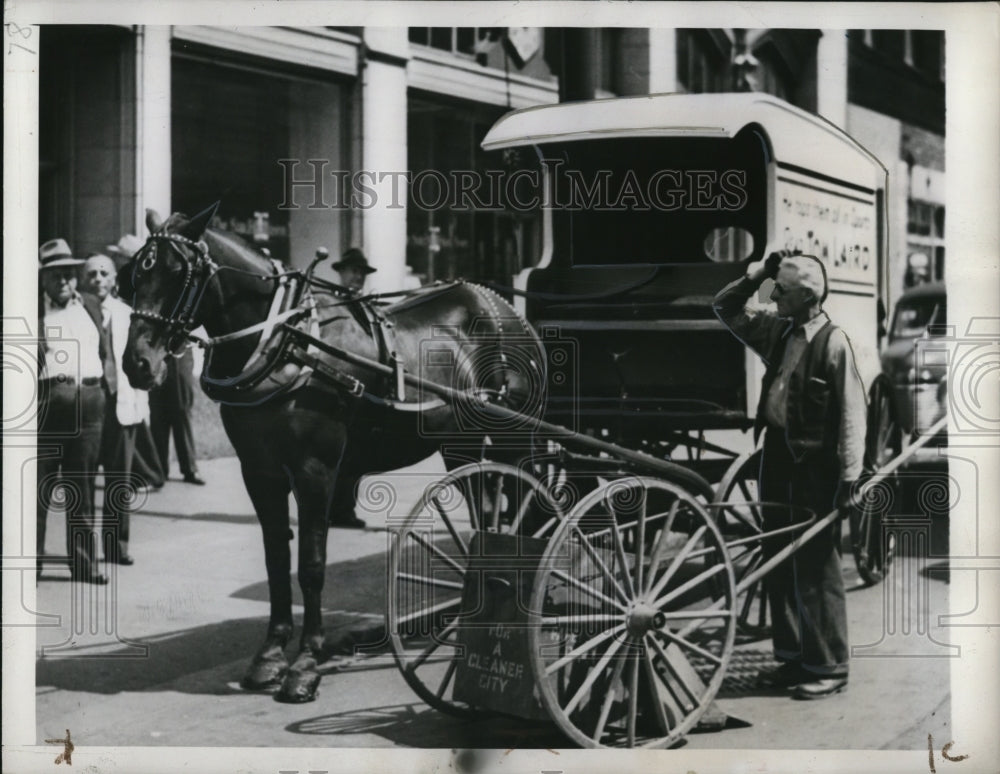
(165,283)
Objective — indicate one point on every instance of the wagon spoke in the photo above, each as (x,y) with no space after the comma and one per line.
(600,563)
(590,590)
(594,673)
(470,500)
(439,607)
(661,545)
(449,673)
(687,693)
(690,584)
(678,560)
(436,643)
(462,545)
(688,644)
(429,580)
(434,549)
(609,698)
(497,493)
(620,553)
(640,542)
(590,644)
(654,680)
(633,702)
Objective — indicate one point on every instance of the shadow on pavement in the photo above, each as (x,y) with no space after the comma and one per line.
(417,725)
(172,658)
(356,585)
(207,660)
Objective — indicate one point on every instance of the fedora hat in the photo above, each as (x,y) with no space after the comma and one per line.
(127,246)
(55,253)
(353,257)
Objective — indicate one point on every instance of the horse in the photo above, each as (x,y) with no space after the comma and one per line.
(315,437)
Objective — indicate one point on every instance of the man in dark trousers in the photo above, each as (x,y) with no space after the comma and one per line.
(170,410)
(812,412)
(72,358)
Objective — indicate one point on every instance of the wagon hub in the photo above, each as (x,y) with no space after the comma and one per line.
(643,617)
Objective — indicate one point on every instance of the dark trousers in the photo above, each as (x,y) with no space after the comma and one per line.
(120,485)
(69,443)
(170,411)
(806,591)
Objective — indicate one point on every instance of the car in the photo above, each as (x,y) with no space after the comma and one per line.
(915,363)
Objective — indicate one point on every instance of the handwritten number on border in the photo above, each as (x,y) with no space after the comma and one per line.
(13,32)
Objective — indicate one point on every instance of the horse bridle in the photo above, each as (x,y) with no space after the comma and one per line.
(198,273)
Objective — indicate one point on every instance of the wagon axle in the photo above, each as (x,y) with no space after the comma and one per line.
(643,617)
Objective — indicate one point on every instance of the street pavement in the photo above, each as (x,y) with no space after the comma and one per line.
(155,658)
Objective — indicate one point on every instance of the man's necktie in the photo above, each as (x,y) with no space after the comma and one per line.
(110,372)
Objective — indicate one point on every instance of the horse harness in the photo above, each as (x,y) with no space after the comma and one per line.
(284,359)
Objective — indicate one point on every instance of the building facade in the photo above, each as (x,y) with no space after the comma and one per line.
(339,136)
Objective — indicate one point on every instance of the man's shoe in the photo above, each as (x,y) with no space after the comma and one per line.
(820,689)
(348,522)
(95,577)
(194,478)
(125,559)
(784,675)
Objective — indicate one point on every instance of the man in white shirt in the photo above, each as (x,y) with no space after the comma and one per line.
(72,349)
(127,408)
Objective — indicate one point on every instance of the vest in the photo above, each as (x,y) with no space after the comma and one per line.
(813,410)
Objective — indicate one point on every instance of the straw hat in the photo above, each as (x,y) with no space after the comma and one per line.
(55,253)
(127,246)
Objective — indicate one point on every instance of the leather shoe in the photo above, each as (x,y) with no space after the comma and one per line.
(820,689)
(194,478)
(125,559)
(348,522)
(784,675)
(96,578)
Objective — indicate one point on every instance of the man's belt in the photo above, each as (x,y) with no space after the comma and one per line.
(71,381)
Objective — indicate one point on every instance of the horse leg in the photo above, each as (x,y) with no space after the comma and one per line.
(314,488)
(270,501)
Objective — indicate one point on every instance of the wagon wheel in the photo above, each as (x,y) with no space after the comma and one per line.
(873,550)
(739,516)
(428,560)
(628,647)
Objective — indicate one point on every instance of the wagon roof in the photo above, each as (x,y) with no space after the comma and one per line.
(797,137)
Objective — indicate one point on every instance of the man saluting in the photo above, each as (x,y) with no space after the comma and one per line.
(812,412)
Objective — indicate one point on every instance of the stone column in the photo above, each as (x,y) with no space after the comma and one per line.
(384,154)
(662,61)
(153,155)
(831,76)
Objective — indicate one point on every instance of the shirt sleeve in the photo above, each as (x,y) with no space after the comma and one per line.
(853,406)
(753,327)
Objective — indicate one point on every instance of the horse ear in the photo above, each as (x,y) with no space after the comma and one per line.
(153,222)
(195,227)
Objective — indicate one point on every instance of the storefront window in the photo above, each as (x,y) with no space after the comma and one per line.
(449,235)
(231,128)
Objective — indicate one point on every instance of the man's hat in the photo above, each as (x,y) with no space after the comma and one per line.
(127,246)
(54,253)
(356,259)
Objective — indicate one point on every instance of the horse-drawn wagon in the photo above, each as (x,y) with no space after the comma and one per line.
(590,574)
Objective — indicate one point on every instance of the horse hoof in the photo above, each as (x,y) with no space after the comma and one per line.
(298,688)
(264,676)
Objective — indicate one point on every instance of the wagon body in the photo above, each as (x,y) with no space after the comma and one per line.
(652,205)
